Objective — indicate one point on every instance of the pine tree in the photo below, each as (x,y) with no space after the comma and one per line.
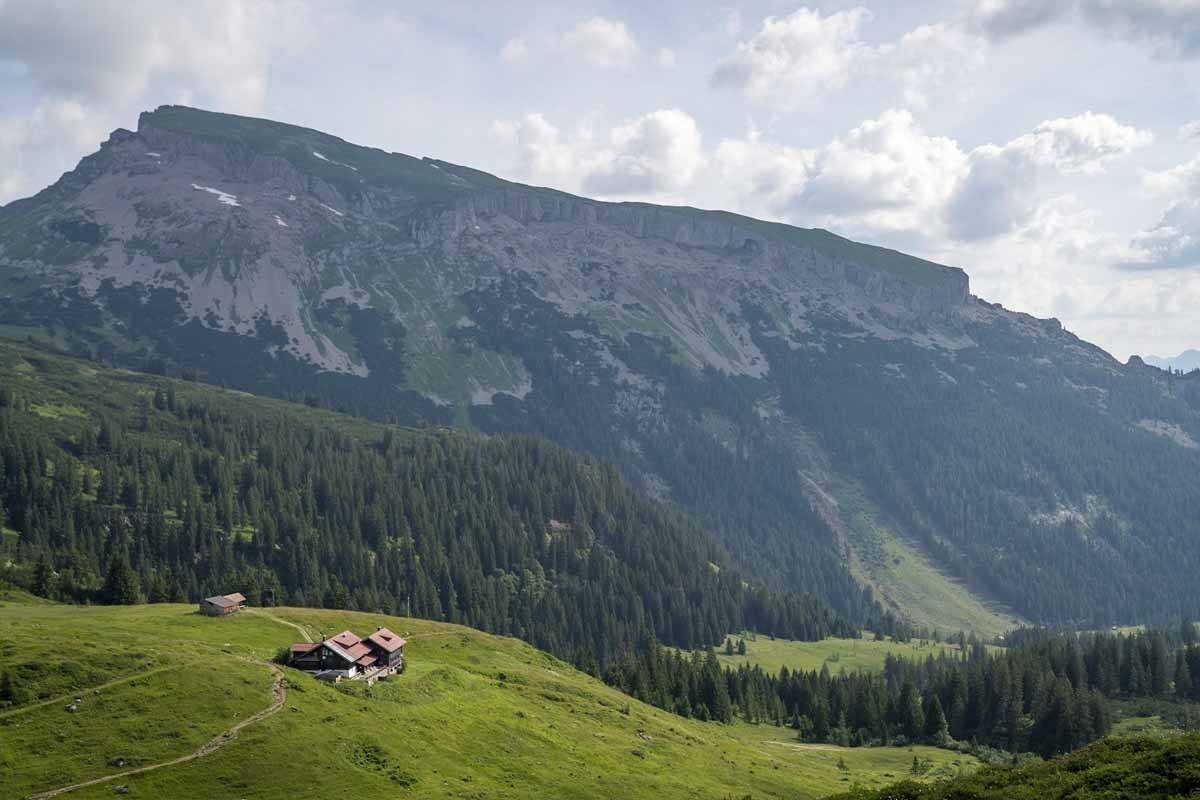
(121,584)
(42,580)
(160,589)
(741,647)
(911,716)
(937,731)
(1183,676)
(728,646)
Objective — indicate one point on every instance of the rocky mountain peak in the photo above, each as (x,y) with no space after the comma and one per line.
(253,222)
(826,402)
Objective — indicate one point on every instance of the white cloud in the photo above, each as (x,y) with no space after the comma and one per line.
(114,52)
(888,176)
(1174,243)
(540,151)
(666,58)
(763,176)
(885,176)
(659,152)
(1083,143)
(998,193)
(795,58)
(1061,229)
(1177,180)
(928,57)
(93,66)
(515,51)
(603,43)
(648,156)
(1189,130)
(53,131)
(994,195)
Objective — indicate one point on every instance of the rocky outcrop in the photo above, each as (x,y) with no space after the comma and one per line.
(252,220)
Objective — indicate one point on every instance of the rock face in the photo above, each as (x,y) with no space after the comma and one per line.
(255,227)
(760,375)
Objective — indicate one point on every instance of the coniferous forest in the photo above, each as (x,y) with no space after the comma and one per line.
(1047,693)
(141,489)
(127,489)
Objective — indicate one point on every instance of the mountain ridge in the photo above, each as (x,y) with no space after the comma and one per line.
(745,370)
(1186,361)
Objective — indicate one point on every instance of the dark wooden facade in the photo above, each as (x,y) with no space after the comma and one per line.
(350,656)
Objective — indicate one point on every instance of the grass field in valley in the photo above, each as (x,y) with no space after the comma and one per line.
(474,716)
(904,577)
(850,655)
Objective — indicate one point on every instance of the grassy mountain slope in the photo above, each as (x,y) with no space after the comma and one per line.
(902,573)
(474,715)
(1114,769)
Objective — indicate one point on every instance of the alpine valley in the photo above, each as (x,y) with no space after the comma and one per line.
(845,421)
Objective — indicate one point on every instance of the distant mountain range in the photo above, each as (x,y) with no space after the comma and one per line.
(839,415)
(1186,361)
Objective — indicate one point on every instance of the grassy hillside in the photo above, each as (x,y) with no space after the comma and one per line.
(473,716)
(836,653)
(903,575)
(1114,769)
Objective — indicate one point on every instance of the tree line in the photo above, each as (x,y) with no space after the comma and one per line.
(1046,695)
(168,492)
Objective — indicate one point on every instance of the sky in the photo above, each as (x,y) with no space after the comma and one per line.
(1051,148)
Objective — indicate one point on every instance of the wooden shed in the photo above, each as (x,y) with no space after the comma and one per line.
(222,604)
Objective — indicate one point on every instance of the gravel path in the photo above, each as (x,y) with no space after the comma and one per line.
(278,697)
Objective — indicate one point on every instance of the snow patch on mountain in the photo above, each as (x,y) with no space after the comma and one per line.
(331,161)
(222,197)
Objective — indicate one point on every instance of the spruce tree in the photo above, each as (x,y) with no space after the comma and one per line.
(121,584)
(42,580)
(911,715)
(936,729)
(1183,676)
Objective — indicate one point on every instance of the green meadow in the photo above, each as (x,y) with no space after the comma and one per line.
(851,655)
(110,689)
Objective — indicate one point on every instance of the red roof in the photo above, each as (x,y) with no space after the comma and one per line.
(366,661)
(305,647)
(359,650)
(345,639)
(386,640)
